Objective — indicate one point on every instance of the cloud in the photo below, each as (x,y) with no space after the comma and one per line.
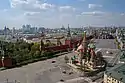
(93,13)
(63,8)
(31,13)
(30,5)
(44,6)
(15,3)
(101,19)
(5,10)
(122,14)
(92,6)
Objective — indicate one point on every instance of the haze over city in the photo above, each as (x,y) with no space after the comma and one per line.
(55,13)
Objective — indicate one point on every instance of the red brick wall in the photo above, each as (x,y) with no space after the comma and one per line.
(7,62)
(0,63)
(57,48)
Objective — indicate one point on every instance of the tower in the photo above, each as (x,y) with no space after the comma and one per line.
(82,49)
(68,34)
(84,42)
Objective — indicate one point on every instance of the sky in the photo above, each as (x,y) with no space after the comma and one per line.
(55,13)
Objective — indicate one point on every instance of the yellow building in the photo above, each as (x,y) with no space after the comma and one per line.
(115,74)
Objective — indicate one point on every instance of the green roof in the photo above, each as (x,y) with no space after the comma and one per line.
(117,72)
(91,45)
(122,56)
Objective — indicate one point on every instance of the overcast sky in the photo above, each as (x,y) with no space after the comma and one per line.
(55,13)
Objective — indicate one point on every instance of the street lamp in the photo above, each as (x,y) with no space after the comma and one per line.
(3,61)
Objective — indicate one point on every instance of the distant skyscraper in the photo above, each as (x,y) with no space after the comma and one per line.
(13,31)
(41,29)
(23,28)
(5,31)
(28,27)
(62,28)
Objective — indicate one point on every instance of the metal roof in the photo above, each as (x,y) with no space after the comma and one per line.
(117,72)
(122,55)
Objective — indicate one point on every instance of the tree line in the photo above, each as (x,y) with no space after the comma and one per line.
(22,52)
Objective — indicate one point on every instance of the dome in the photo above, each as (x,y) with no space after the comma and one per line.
(92,46)
(80,47)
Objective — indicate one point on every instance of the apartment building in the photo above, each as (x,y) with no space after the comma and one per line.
(115,74)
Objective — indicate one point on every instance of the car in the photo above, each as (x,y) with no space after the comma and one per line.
(62,80)
(64,71)
(70,73)
(53,61)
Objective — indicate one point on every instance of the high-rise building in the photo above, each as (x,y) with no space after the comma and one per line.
(28,27)
(33,30)
(6,31)
(41,29)
(13,31)
(23,28)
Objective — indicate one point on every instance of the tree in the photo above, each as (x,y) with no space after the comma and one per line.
(41,45)
(35,47)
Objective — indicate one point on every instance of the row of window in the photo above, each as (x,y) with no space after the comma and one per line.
(112,80)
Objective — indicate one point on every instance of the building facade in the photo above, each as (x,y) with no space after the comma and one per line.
(115,74)
(120,37)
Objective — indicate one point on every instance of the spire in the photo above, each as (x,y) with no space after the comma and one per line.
(84,36)
(84,42)
(69,34)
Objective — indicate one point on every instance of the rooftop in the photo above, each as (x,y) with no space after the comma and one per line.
(122,56)
(117,72)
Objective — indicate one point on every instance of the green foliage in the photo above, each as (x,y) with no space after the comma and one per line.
(22,52)
(35,47)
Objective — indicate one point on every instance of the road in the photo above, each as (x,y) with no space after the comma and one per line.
(105,43)
(39,72)
(108,45)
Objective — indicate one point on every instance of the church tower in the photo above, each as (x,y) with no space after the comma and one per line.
(68,32)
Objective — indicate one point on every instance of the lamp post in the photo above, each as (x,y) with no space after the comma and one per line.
(3,61)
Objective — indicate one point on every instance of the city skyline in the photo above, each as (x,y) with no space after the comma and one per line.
(55,13)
